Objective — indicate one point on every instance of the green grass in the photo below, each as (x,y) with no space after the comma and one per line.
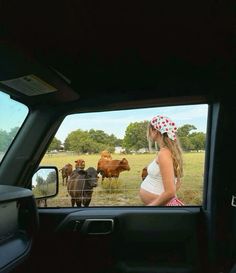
(124,191)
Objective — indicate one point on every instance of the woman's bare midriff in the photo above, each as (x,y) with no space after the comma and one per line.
(146,196)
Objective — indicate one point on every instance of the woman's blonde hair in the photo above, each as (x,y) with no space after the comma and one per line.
(175,149)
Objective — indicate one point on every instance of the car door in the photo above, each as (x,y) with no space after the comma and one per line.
(123,238)
(82,56)
(119,239)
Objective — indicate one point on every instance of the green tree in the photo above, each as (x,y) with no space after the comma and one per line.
(74,140)
(198,140)
(50,186)
(186,143)
(6,138)
(4,141)
(13,133)
(55,144)
(98,136)
(184,131)
(114,141)
(39,180)
(119,142)
(136,136)
(93,141)
(88,146)
(51,178)
(41,187)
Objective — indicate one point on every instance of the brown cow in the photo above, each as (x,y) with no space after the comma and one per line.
(66,172)
(80,186)
(144,173)
(106,155)
(79,163)
(112,168)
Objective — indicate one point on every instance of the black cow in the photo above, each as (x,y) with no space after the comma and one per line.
(80,186)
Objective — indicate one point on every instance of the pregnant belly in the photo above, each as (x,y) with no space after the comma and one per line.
(147,197)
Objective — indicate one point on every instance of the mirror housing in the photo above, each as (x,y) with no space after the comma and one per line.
(45,182)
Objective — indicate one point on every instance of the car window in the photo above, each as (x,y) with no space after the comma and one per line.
(120,138)
(12,116)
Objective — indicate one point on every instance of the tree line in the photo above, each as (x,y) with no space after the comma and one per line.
(6,138)
(45,186)
(94,141)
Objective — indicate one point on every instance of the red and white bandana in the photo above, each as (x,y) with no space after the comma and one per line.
(165,125)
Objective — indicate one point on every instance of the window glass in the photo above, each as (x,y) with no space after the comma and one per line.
(120,137)
(12,116)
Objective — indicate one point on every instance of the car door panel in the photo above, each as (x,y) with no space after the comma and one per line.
(138,240)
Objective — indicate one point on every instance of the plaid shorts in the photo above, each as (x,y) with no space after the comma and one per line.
(175,202)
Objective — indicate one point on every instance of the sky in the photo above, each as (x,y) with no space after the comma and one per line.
(111,122)
(12,113)
(116,122)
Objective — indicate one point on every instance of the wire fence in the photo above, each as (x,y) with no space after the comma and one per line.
(124,191)
(123,196)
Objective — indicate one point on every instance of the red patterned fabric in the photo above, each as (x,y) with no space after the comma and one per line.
(175,202)
(165,125)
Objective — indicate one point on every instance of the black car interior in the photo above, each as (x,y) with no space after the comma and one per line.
(109,55)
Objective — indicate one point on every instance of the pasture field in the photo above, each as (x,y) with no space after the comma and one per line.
(124,191)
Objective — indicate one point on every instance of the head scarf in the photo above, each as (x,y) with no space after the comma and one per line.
(164,125)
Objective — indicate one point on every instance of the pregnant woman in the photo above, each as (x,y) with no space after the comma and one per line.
(165,171)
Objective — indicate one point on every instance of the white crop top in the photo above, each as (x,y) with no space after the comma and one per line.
(153,182)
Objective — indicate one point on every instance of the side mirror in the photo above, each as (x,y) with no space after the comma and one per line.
(45,182)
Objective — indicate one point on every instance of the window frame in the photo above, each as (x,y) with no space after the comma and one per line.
(208,132)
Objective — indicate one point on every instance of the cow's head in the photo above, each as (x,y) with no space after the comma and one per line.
(125,164)
(68,168)
(106,155)
(144,173)
(91,176)
(80,163)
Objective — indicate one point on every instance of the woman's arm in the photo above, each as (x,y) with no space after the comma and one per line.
(167,172)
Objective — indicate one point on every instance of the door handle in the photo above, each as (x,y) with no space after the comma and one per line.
(98,226)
